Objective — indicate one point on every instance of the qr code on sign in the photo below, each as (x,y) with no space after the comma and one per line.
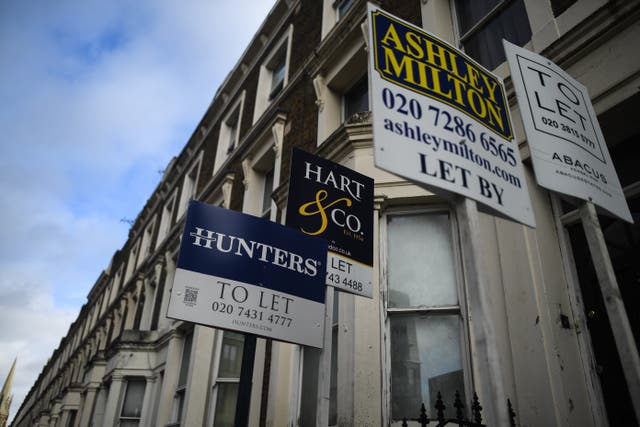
(190,296)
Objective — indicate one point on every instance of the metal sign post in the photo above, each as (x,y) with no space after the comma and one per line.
(625,343)
(485,344)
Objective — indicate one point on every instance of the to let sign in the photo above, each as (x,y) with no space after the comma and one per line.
(441,119)
(336,203)
(568,149)
(248,274)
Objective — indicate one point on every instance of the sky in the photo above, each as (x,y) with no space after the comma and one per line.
(96,97)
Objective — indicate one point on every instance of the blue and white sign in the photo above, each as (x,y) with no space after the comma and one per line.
(248,274)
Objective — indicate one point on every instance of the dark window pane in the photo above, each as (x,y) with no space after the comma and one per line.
(559,6)
(356,99)
(184,365)
(343,7)
(226,405)
(471,11)
(277,75)
(132,406)
(266,195)
(512,24)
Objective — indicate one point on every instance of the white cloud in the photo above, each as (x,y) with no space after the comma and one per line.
(97,97)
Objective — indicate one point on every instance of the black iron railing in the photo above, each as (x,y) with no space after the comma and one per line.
(461,418)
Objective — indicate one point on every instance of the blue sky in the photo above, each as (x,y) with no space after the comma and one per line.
(96,97)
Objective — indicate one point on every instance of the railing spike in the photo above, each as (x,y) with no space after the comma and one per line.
(476,409)
(459,407)
(512,413)
(440,407)
(424,419)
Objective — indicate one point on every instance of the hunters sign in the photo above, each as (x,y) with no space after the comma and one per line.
(336,203)
(248,274)
(441,119)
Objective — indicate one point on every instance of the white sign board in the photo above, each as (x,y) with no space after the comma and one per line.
(568,150)
(441,119)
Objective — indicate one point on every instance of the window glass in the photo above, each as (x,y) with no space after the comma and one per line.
(233,131)
(356,99)
(483,25)
(231,355)
(226,405)
(266,195)
(342,7)
(425,344)
(132,406)
(472,11)
(184,365)
(425,360)
(277,75)
(420,266)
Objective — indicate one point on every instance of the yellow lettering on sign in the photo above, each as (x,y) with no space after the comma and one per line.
(321,195)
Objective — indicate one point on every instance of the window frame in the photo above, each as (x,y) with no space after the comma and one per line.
(266,93)
(461,309)
(129,380)
(216,379)
(146,242)
(166,220)
(179,397)
(132,261)
(344,113)
(191,176)
(234,115)
(461,38)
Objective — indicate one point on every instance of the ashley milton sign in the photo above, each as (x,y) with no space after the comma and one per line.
(248,274)
(441,119)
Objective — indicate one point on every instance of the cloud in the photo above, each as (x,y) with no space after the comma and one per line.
(97,97)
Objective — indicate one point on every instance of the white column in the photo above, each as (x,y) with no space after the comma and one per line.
(146,415)
(110,411)
(198,383)
(85,411)
(168,390)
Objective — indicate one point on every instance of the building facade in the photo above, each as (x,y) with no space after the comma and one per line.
(302,82)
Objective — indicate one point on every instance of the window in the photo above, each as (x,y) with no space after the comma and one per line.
(266,194)
(146,242)
(229,137)
(483,24)
(261,169)
(131,264)
(342,7)
(227,379)
(424,314)
(189,187)
(132,405)
(273,75)
(277,68)
(356,99)
(233,134)
(72,418)
(183,378)
(165,220)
